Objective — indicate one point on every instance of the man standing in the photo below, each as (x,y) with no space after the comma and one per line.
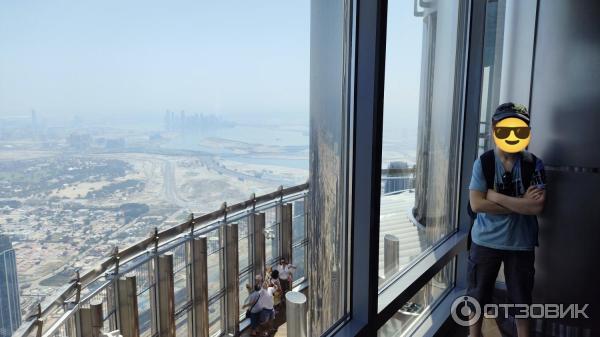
(285,275)
(507,191)
(254,309)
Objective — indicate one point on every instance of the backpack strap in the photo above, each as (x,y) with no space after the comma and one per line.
(488,165)
(528,162)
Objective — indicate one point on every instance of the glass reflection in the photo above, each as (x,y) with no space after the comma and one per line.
(272,236)
(420,138)
(298,259)
(298,221)
(414,309)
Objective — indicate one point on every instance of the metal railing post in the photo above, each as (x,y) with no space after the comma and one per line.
(284,216)
(232,280)
(128,307)
(198,287)
(391,255)
(258,228)
(90,320)
(97,318)
(153,272)
(113,291)
(83,323)
(166,296)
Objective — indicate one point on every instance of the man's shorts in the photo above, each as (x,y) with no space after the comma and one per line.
(267,315)
(255,319)
(483,266)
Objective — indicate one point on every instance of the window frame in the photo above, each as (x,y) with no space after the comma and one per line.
(367,69)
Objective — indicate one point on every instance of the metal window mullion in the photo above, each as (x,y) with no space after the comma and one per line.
(471,119)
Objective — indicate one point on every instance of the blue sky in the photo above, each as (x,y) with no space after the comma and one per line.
(100,58)
(240,59)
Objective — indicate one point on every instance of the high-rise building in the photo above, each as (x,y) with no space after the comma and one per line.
(10,309)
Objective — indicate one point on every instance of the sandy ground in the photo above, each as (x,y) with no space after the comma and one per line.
(174,186)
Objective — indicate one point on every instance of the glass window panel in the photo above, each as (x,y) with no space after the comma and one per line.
(244,252)
(180,285)
(272,238)
(214,317)
(412,310)
(492,68)
(181,325)
(215,272)
(213,241)
(243,228)
(299,260)
(420,142)
(245,284)
(145,314)
(298,221)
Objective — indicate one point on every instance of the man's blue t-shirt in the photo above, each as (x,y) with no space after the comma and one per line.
(505,231)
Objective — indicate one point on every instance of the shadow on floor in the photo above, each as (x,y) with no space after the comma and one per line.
(278,324)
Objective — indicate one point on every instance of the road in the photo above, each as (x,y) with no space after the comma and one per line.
(169,189)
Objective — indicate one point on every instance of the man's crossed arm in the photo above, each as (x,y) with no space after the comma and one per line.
(532,202)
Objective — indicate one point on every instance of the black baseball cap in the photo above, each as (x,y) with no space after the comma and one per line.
(508,110)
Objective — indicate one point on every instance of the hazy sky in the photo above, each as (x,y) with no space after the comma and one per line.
(141,57)
(403,71)
(115,57)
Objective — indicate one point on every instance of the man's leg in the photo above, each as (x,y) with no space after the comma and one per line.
(285,285)
(483,266)
(519,273)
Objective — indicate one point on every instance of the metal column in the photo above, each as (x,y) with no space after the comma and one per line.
(90,320)
(391,255)
(258,228)
(295,304)
(128,307)
(198,287)
(232,280)
(284,216)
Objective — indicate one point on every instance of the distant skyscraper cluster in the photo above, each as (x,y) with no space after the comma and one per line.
(10,308)
(183,122)
(398,177)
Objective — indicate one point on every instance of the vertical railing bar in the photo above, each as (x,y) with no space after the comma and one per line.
(192,328)
(115,291)
(155,311)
